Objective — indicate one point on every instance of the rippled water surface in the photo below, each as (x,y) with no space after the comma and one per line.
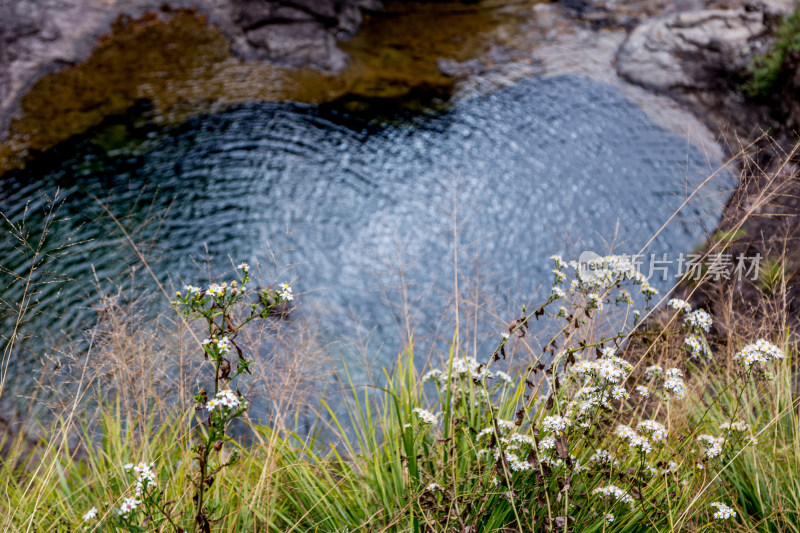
(546,166)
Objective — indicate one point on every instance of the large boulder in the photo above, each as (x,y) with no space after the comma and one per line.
(692,51)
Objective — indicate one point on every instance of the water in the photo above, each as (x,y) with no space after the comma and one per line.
(546,166)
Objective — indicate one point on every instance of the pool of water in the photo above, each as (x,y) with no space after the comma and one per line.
(548,165)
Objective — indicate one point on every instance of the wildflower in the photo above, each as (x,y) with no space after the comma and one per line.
(609,518)
(558,261)
(558,293)
(470,367)
(215,289)
(674,386)
(648,290)
(482,433)
(602,457)
(619,393)
(547,443)
(723,512)
(595,301)
(712,446)
(506,336)
(226,400)
(506,424)
(128,505)
(655,431)
(243,267)
(556,424)
(625,297)
(653,371)
(640,444)
(434,375)
(562,311)
(617,493)
(699,466)
(191,289)
(680,305)
(643,391)
(285,293)
(224,345)
(503,376)
(698,347)
(559,276)
(434,487)
(698,320)
(127,466)
(636,315)
(90,514)
(426,416)
(761,352)
(515,463)
(739,426)
(519,438)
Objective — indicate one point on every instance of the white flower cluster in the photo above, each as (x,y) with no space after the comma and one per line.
(642,391)
(558,261)
(653,371)
(655,431)
(585,403)
(712,446)
(145,477)
(680,305)
(636,442)
(674,386)
(615,492)
(127,506)
(547,444)
(556,424)
(619,393)
(760,352)
(608,369)
(90,514)
(223,345)
(217,289)
(698,320)
(425,416)
(465,367)
(723,512)
(225,400)
(602,457)
(739,426)
(698,347)
(515,463)
(285,292)
(601,274)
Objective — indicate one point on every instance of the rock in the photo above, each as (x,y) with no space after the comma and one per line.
(690,51)
(39,36)
(299,32)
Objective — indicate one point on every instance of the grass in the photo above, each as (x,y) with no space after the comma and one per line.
(496,458)
(770,69)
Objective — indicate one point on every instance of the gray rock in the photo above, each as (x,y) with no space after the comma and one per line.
(688,51)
